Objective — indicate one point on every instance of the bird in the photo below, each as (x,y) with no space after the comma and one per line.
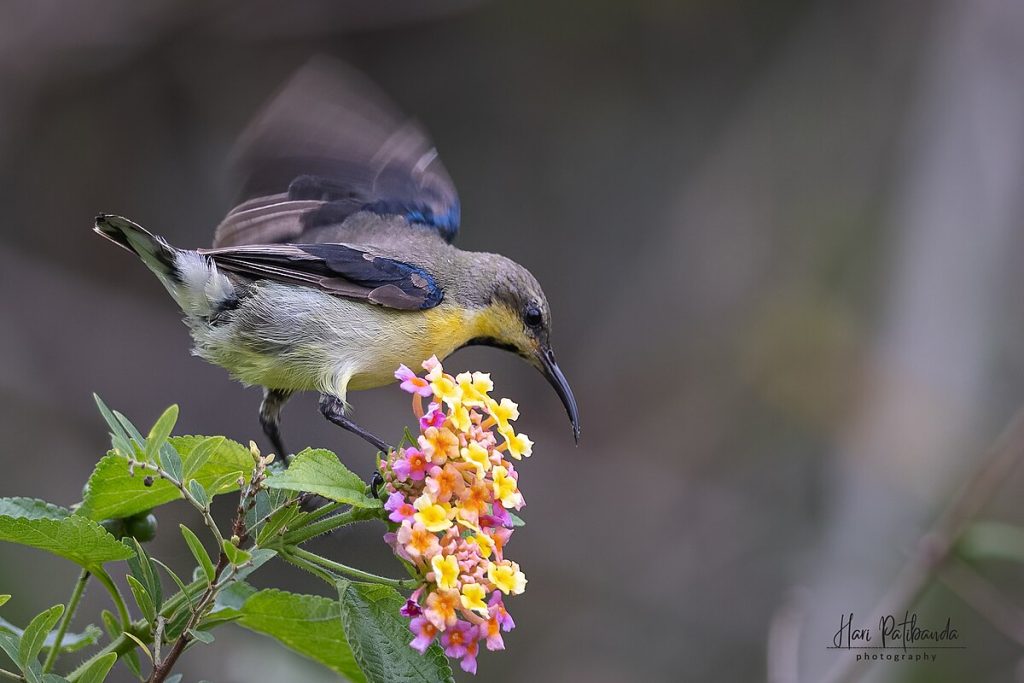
(337,264)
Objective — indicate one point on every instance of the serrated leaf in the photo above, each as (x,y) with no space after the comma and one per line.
(204,637)
(142,599)
(319,471)
(50,528)
(35,635)
(114,493)
(199,552)
(307,624)
(31,508)
(379,637)
(199,493)
(236,555)
(98,670)
(200,454)
(158,436)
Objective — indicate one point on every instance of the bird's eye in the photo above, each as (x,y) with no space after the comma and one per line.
(532,316)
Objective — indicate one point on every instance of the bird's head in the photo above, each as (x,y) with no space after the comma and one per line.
(515,317)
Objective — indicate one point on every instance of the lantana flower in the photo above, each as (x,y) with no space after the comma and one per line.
(448,498)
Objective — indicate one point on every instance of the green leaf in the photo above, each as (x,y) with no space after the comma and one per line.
(72,642)
(54,678)
(199,493)
(98,670)
(170,461)
(992,541)
(202,452)
(158,436)
(144,571)
(31,508)
(236,555)
(259,557)
(379,637)
(199,552)
(114,493)
(119,437)
(142,599)
(204,637)
(319,471)
(307,624)
(516,519)
(9,644)
(4,598)
(70,536)
(34,637)
(175,578)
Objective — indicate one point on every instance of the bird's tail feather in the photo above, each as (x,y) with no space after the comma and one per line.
(156,253)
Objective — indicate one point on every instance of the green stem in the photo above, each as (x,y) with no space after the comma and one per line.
(4,673)
(115,595)
(327,524)
(69,613)
(318,513)
(350,571)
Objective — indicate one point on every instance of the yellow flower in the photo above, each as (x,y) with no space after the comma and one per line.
(434,516)
(459,416)
(447,390)
(473,597)
(446,571)
(474,387)
(484,542)
(506,577)
(505,488)
(503,412)
(519,445)
(478,455)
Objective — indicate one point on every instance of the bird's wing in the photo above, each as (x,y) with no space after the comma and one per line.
(337,269)
(327,146)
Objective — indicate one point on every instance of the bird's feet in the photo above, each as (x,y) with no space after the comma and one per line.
(333,408)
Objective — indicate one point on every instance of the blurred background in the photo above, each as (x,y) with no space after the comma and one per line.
(781,242)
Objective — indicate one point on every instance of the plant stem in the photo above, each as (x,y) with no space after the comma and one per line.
(350,571)
(303,534)
(115,595)
(69,613)
(4,673)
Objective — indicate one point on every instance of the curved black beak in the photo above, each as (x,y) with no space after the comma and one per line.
(557,380)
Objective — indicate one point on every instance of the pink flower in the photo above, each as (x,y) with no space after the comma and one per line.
(468,662)
(412,466)
(425,632)
(434,417)
(499,612)
(456,638)
(399,508)
(500,515)
(491,631)
(412,383)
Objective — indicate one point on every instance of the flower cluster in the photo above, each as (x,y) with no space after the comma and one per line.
(449,497)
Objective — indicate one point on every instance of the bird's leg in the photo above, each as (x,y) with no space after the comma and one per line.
(333,409)
(270,418)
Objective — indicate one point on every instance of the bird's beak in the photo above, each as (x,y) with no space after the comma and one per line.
(557,380)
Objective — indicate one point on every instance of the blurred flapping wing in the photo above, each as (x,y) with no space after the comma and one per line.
(330,145)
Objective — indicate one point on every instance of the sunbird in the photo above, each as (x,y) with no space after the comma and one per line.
(337,264)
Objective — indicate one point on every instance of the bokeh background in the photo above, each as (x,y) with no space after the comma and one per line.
(782,245)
